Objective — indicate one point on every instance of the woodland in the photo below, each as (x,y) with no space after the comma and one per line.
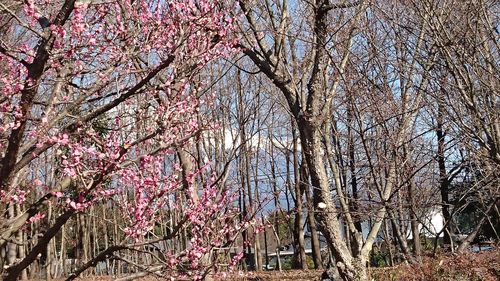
(223,139)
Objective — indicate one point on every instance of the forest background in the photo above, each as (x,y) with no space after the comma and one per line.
(195,139)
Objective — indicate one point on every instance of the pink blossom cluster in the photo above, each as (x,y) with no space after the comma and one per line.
(211,222)
(36,218)
(15,196)
(149,193)
(124,153)
(11,83)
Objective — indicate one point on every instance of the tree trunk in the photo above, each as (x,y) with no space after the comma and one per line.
(444,184)
(349,267)
(300,254)
(48,252)
(21,250)
(403,245)
(388,242)
(277,205)
(11,252)
(258,257)
(352,167)
(417,247)
(14,271)
(316,247)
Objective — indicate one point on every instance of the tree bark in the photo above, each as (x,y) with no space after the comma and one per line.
(11,252)
(300,254)
(417,247)
(316,247)
(401,239)
(444,184)
(349,267)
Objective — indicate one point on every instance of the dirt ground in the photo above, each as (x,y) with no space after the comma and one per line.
(484,266)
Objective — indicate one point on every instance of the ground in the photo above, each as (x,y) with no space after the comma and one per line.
(483,266)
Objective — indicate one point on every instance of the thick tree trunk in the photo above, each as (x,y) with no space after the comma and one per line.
(349,267)
(354,239)
(309,115)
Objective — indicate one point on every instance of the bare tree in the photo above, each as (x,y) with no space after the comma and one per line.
(464,37)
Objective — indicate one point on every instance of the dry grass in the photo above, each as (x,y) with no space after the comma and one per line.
(484,266)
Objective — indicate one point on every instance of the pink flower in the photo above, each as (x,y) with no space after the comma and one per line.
(36,218)
(38,182)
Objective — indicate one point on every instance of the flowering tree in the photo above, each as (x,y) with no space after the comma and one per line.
(96,99)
